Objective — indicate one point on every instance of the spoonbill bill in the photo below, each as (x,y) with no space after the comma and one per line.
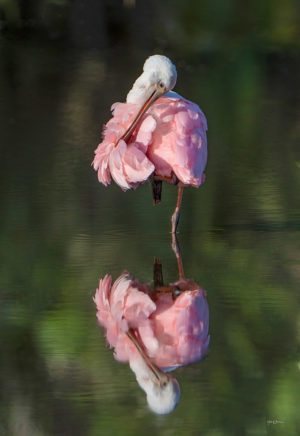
(156,132)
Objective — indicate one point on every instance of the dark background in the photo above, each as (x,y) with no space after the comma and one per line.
(62,64)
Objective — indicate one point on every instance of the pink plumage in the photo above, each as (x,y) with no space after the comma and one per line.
(172,332)
(155,133)
(171,138)
(179,142)
(127,164)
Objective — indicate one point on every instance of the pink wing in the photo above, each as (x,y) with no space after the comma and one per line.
(127,164)
(123,305)
(181,329)
(179,141)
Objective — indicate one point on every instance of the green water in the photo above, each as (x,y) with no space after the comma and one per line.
(61,231)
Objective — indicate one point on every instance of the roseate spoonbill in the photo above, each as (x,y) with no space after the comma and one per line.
(122,309)
(156,132)
(154,330)
(171,321)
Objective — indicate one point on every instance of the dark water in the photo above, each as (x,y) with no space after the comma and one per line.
(61,231)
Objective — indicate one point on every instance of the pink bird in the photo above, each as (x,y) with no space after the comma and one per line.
(153,331)
(156,132)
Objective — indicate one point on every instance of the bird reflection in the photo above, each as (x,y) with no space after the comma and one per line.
(155,329)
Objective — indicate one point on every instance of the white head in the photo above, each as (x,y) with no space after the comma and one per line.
(159,76)
(163,391)
(163,399)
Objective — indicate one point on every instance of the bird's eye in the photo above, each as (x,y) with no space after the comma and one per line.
(161,85)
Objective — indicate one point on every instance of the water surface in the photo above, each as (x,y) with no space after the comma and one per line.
(61,231)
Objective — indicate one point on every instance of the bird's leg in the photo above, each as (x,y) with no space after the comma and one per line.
(176,249)
(156,182)
(156,190)
(159,282)
(176,214)
(158,278)
(157,273)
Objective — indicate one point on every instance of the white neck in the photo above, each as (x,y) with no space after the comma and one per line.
(140,89)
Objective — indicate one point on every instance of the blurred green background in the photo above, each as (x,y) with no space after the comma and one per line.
(62,64)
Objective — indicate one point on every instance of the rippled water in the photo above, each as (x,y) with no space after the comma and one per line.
(61,231)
